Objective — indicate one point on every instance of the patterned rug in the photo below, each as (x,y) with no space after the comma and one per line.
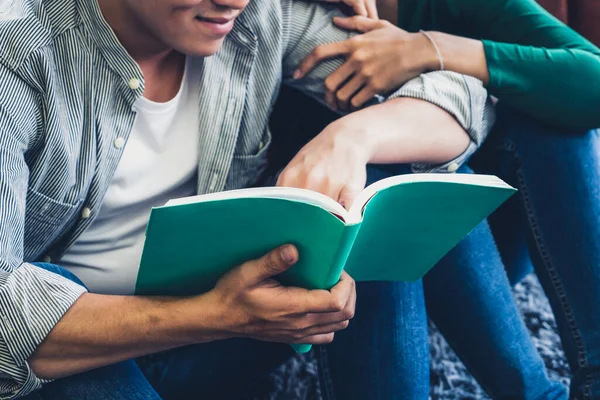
(297,380)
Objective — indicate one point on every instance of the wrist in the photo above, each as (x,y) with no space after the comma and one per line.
(462,55)
(429,55)
(199,319)
(352,135)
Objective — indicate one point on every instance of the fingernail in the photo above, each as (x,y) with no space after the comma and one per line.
(297,74)
(288,255)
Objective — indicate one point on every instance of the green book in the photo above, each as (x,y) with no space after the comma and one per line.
(397,229)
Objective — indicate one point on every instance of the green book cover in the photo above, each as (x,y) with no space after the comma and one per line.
(397,229)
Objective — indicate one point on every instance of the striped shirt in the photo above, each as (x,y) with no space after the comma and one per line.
(67,90)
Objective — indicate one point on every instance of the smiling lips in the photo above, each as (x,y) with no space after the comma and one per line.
(218,26)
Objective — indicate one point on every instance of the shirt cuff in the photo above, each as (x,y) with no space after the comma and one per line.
(33,301)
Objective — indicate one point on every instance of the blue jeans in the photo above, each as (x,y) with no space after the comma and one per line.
(469,297)
(556,216)
(383,354)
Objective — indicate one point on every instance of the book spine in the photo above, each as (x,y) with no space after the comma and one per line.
(344,248)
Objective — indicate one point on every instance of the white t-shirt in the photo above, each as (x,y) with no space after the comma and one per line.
(159,162)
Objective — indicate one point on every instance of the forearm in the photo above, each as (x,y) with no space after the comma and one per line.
(462,55)
(531,78)
(406,130)
(100,330)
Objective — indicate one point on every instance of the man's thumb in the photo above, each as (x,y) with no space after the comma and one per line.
(275,262)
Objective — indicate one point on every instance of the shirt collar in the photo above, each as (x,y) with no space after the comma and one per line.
(104,38)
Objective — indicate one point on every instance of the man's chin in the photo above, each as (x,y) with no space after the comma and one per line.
(204,48)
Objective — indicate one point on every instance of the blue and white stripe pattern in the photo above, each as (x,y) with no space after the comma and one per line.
(67,89)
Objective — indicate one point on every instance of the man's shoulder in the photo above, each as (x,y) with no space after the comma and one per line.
(28,25)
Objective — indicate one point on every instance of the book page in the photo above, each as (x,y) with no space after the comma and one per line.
(284,193)
(356,211)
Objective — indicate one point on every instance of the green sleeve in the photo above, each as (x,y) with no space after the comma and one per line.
(536,63)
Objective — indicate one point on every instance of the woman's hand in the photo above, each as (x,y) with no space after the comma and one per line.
(365,8)
(379,61)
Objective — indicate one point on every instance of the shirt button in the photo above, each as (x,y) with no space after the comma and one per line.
(119,142)
(85,213)
(453,167)
(47,259)
(134,83)
(261,145)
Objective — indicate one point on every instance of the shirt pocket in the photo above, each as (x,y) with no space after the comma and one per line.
(247,169)
(45,220)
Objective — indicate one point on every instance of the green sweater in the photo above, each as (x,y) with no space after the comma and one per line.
(550,71)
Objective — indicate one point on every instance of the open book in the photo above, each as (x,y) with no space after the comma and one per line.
(397,229)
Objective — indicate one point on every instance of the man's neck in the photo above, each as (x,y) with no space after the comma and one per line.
(162,66)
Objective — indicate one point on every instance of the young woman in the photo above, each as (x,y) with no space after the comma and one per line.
(547,80)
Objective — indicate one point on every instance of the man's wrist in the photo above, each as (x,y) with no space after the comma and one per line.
(196,319)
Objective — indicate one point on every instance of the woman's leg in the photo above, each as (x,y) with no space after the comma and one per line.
(469,297)
(470,300)
(509,234)
(558,177)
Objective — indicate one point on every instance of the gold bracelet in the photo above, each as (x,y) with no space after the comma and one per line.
(435,46)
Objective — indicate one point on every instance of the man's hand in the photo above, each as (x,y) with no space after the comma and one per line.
(365,8)
(333,163)
(255,305)
(377,62)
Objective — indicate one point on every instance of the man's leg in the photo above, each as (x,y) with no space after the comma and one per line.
(384,353)
(558,177)
(123,381)
(221,370)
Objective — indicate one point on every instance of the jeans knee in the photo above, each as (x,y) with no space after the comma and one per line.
(56,269)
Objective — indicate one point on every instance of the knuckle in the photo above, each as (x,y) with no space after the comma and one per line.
(344,324)
(299,326)
(329,338)
(292,308)
(357,40)
(343,97)
(329,84)
(355,103)
(377,85)
(270,263)
(359,57)
(318,53)
(348,314)
(315,177)
(337,304)
(288,176)
(367,73)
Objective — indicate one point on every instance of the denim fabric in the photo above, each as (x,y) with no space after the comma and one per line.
(558,204)
(469,298)
(383,354)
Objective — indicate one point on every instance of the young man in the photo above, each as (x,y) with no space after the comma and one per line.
(110,107)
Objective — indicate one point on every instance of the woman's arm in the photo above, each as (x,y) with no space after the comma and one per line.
(525,56)
(533,61)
